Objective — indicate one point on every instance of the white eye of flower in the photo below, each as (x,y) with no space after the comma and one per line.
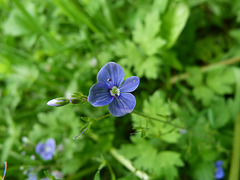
(115,91)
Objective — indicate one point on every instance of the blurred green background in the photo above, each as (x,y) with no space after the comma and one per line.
(186,54)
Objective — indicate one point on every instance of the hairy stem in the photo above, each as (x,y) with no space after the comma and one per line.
(128,164)
(184,76)
(159,120)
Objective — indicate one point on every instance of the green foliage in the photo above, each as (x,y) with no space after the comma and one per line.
(146,157)
(186,53)
(156,106)
(172,25)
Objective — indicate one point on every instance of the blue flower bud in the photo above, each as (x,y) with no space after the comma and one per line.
(58,102)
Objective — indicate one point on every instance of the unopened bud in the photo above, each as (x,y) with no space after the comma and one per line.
(58,102)
(75,100)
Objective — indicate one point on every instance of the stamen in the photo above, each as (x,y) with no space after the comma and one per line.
(109,79)
(115,91)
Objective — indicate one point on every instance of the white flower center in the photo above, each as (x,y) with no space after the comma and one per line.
(48,149)
(115,91)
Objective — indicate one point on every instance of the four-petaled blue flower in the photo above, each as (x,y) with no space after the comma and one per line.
(219,172)
(112,92)
(46,150)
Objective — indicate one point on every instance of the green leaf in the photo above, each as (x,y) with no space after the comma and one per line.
(203,94)
(145,33)
(170,58)
(154,106)
(145,157)
(168,161)
(131,57)
(174,21)
(48,174)
(221,80)
(97,176)
(13,134)
(204,171)
(149,67)
(221,114)
(16,25)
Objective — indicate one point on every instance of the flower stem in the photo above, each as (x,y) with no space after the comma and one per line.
(128,164)
(159,120)
(103,116)
(234,170)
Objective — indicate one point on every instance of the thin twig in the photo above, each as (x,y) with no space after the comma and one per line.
(204,69)
(103,116)
(159,120)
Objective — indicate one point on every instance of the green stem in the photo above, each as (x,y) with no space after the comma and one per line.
(234,169)
(83,172)
(159,120)
(204,69)
(128,164)
(111,171)
(103,116)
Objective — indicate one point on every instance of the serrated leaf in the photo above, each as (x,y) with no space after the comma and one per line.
(221,115)
(167,162)
(146,157)
(174,21)
(149,68)
(221,80)
(145,33)
(203,94)
(154,106)
(132,58)
(129,53)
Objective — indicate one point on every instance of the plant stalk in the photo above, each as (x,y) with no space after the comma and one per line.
(235,161)
(128,164)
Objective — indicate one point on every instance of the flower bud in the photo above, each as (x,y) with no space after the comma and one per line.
(75,100)
(58,102)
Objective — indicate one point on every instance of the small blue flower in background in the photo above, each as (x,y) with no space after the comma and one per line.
(46,150)
(219,172)
(112,92)
(32,175)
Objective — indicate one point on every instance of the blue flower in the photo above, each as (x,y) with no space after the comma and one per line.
(32,175)
(219,172)
(46,150)
(112,92)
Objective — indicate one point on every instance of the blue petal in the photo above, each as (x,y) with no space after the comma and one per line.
(130,84)
(47,156)
(40,148)
(219,174)
(122,105)
(112,74)
(99,95)
(51,144)
(218,163)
